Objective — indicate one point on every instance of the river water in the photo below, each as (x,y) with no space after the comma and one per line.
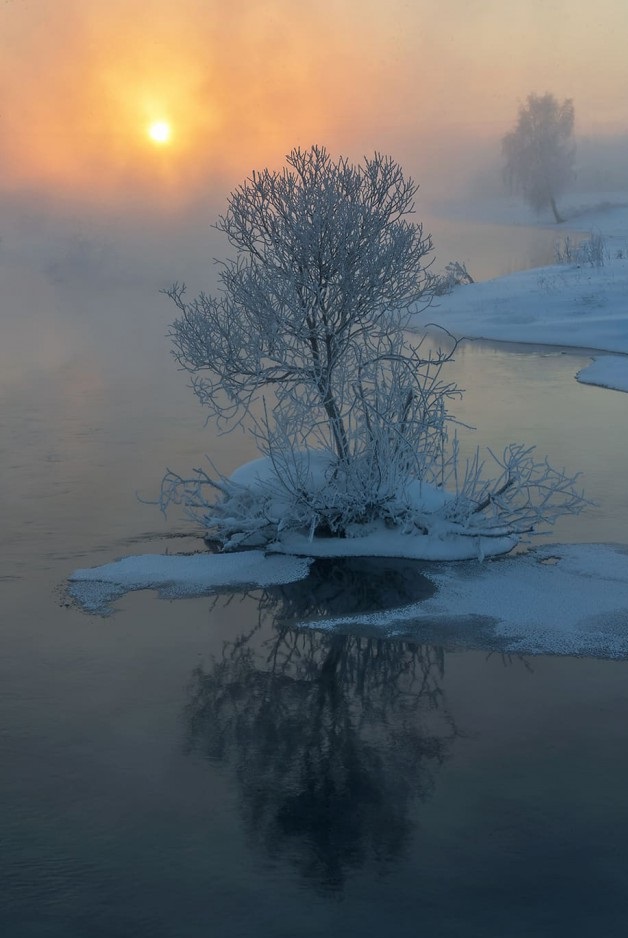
(202,767)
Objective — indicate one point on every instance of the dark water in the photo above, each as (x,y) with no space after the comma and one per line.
(202,767)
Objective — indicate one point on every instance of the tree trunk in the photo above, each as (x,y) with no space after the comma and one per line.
(557,214)
(337,426)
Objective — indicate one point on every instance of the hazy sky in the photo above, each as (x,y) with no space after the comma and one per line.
(243,81)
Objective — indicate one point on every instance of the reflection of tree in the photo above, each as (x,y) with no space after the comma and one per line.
(331,736)
(349,586)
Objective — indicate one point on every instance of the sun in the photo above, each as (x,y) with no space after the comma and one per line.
(160,132)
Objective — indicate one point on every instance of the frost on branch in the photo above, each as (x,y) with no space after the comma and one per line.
(305,346)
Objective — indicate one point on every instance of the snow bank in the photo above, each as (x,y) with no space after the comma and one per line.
(609,371)
(573,305)
(175,576)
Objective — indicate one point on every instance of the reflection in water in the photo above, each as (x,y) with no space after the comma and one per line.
(331,737)
(347,586)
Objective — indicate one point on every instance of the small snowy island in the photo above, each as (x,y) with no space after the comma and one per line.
(307,347)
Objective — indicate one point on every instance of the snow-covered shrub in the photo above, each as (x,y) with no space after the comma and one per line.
(592,251)
(306,346)
(456,273)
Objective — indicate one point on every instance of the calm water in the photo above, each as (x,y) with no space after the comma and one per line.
(200,767)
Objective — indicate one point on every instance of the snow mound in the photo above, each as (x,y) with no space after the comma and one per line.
(375,538)
(315,467)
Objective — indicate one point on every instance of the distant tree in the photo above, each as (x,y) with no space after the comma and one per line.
(540,151)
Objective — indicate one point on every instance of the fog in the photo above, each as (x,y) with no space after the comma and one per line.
(436,83)
(96,218)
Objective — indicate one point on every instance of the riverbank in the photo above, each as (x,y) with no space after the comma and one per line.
(580,302)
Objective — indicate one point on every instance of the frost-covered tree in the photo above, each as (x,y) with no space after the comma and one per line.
(305,345)
(326,263)
(539,153)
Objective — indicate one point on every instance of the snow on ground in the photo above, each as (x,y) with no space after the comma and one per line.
(178,575)
(570,304)
(310,469)
(560,599)
(609,371)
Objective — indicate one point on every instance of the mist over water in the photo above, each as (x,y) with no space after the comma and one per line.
(79,283)
(204,767)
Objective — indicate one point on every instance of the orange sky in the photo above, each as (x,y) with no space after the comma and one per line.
(244,81)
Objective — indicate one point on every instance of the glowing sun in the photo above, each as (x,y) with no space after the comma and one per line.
(160,132)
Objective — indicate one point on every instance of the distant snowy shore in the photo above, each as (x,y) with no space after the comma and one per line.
(581,302)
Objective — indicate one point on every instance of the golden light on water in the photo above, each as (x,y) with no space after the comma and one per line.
(160,132)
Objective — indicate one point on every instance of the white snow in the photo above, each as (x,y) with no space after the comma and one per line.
(561,599)
(609,371)
(572,305)
(179,575)
(374,539)
(381,542)
(255,474)
(315,466)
